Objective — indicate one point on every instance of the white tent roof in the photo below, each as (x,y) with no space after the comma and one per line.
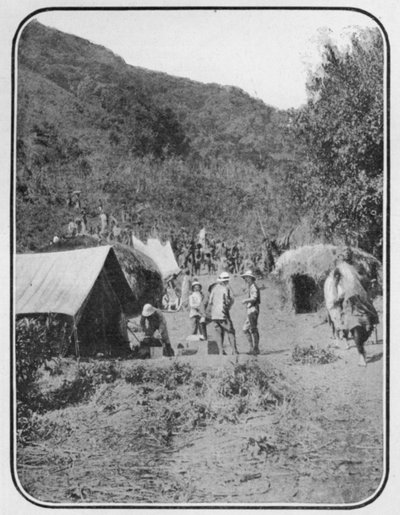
(57,282)
(160,253)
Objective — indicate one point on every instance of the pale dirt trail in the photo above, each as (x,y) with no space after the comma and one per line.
(336,457)
(323,445)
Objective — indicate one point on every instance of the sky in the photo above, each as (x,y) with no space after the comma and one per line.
(266,53)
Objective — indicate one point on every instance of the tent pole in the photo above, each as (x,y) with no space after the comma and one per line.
(262,227)
(76,340)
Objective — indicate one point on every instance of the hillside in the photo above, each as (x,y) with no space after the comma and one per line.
(199,154)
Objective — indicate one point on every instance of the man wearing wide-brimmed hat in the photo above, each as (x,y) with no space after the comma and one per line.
(252,302)
(153,320)
(220,301)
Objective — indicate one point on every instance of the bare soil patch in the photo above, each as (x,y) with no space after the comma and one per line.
(214,429)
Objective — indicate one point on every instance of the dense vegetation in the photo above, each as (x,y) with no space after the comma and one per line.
(340,135)
(198,154)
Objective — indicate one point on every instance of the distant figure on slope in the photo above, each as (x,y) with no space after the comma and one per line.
(209,263)
(78,223)
(235,258)
(103,224)
(197,312)
(252,302)
(76,200)
(220,302)
(84,220)
(72,228)
(153,320)
(198,258)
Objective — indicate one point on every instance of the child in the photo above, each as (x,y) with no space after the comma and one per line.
(197,313)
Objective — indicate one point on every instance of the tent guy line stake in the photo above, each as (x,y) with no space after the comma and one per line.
(262,228)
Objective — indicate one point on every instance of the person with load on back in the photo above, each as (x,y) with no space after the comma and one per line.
(358,315)
(252,303)
(153,320)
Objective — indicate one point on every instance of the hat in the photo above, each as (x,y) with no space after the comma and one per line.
(224,276)
(148,310)
(248,273)
(196,283)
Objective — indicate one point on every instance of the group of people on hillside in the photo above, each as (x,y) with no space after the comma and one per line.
(107,228)
(216,256)
(214,307)
(207,254)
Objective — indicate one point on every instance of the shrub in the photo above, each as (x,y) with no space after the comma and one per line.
(32,349)
(135,374)
(170,377)
(311,355)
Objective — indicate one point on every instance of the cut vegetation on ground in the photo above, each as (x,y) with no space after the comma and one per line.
(299,423)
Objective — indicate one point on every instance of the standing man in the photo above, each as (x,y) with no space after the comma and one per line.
(153,320)
(252,303)
(220,302)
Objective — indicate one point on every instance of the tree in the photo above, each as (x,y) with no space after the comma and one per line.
(341,133)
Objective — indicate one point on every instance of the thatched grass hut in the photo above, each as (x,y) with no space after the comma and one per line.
(142,274)
(301,273)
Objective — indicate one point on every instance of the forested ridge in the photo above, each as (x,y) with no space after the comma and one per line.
(200,155)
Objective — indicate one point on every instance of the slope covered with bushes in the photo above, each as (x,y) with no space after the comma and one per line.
(87,121)
(198,154)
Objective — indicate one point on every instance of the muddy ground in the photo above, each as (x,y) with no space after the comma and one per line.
(321,444)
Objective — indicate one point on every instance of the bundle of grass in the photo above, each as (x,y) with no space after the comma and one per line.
(302,272)
(313,356)
(140,271)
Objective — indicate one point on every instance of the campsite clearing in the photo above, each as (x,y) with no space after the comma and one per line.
(214,429)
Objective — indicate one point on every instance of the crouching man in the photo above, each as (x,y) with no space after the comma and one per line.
(153,320)
(252,302)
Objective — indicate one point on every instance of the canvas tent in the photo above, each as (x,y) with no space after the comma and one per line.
(86,286)
(141,273)
(302,273)
(161,253)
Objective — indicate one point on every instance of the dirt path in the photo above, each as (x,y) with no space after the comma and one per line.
(339,456)
(321,445)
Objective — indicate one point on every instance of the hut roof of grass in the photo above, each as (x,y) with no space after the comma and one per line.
(318,260)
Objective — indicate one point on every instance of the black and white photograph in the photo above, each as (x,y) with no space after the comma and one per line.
(200,257)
